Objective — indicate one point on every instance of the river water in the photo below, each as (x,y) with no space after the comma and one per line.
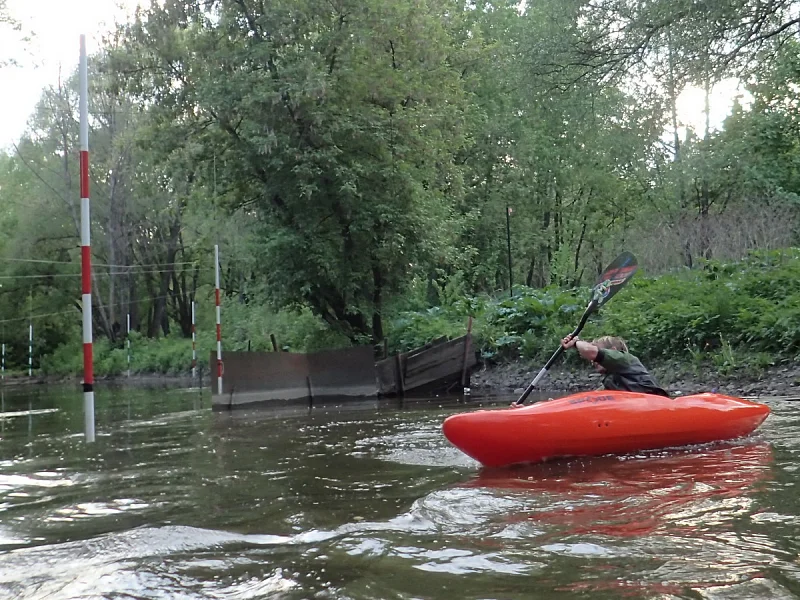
(368,500)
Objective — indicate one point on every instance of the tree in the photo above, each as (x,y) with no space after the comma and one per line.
(348,156)
(9,26)
(733,36)
(571,161)
(335,123)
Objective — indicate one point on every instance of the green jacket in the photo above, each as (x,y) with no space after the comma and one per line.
(626,373)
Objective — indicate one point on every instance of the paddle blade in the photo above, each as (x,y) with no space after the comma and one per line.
(614,278)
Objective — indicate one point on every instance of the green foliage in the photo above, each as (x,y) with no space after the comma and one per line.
(250,325)
(731,314)
(167,356)
(245,328)
(414,329)
(362,161)
(749,305)
(725,360)
(504,328)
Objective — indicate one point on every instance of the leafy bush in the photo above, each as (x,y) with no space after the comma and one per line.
(737,315)
(168,356)
(294,330)
(244,326)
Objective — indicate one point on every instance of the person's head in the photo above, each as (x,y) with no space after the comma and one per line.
(609,342)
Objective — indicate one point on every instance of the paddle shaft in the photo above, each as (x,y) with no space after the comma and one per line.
(611,281)
(589,310)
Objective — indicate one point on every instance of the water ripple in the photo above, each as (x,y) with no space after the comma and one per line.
(187,504)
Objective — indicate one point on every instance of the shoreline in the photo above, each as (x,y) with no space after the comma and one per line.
(678,379)
(512,378)
(135,380)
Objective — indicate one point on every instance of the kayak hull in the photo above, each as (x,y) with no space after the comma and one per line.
(599,422)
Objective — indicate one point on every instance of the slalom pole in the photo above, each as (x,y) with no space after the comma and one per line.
(86,251)
(30,333)
(129,344)
(194,345)
(219,321)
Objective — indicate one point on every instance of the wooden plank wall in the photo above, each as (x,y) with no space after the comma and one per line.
(424,366)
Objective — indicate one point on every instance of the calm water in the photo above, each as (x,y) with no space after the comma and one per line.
(369,501)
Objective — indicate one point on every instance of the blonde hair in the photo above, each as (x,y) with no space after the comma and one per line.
(610,342)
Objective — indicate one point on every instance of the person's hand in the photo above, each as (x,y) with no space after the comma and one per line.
(515,405)
(569,342)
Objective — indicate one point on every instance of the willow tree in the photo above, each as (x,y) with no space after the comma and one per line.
(335,123)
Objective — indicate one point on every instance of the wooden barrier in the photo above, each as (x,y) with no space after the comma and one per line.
(260,377)
(438,365)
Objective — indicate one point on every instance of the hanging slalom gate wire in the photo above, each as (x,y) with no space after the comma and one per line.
(39,260)
(31,317)
(122,270)
(94,274)
(48,276)
(206,269)
(97,264)
(42,316)
(167,264)
(72,312)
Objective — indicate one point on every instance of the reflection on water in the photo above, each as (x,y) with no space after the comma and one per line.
(639,495)
(368,500)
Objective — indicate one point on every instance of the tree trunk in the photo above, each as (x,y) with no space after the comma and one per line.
(673,99)
(377,293)
(705,196)
(160,318)
(181,295)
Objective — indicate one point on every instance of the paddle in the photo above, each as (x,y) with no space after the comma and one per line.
(609,283)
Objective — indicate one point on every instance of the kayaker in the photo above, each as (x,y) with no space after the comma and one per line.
(623,371)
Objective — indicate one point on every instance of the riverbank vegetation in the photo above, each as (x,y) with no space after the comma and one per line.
(729,316)
(382,170)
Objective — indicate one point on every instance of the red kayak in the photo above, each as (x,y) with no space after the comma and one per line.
(599,422)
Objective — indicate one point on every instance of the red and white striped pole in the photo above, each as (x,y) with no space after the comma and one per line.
(219,320)
(194,345)
(86,252)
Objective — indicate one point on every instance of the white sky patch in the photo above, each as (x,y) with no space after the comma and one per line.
(54,28)
(691,105)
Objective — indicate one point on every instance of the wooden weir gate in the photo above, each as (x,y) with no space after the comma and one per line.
(440,366)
